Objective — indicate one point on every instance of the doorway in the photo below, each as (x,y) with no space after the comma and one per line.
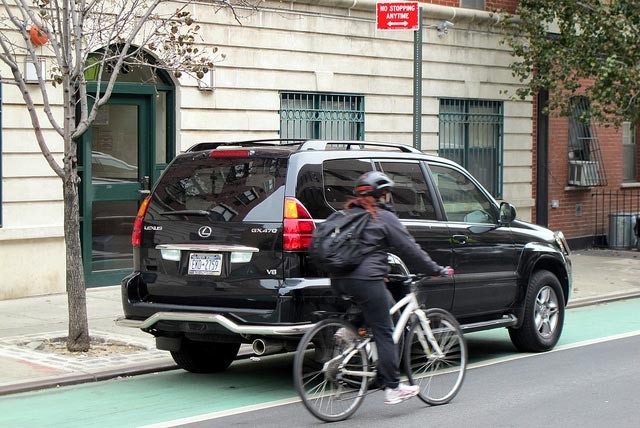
(121,157)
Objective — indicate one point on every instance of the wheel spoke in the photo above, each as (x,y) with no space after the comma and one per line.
(326,391)
(439,378)
(545,328)
(543,296)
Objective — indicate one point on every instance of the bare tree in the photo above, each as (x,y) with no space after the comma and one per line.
(102,37)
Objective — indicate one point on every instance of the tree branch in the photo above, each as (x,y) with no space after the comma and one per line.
(35,121)
(104,98)
(32,54)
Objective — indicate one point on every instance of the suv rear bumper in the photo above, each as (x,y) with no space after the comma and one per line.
(293,313)
(221,320)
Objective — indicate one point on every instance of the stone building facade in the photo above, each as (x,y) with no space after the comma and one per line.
(325,52)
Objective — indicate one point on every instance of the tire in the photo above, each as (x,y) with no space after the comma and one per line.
(439,377)
(205,357)
(318,371)
(543,317)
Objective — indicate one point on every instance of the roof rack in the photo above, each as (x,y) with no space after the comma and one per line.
(210,145)
(354,145)
(304,144)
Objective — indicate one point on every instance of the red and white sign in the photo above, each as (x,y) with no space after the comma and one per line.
(397,16)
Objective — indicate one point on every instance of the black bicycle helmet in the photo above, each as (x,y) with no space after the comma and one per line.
(372,183)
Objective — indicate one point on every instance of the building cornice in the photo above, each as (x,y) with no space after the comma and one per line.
(433,11)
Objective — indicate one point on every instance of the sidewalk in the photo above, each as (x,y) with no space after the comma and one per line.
(26,324)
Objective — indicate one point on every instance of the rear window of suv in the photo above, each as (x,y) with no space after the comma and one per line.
(340,177)
(229,189)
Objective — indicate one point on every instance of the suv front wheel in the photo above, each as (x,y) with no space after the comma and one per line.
(205,357)
(543,314)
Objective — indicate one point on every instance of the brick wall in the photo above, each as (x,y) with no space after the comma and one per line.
(575,214)
(508,5)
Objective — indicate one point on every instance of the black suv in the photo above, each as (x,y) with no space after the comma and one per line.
(220,248)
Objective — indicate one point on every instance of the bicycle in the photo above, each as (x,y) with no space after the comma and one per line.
(334,363)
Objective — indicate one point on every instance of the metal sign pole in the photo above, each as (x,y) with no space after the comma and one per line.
(417,84)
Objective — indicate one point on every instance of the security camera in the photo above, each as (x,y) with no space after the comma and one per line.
(443,28)
(444,25)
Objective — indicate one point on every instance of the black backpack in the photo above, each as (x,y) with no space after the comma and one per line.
(335,244)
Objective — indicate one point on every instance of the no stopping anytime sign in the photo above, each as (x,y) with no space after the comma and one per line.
(397,16)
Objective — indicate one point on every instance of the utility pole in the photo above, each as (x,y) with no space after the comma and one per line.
(417,84)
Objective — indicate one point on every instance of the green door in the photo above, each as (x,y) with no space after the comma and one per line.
(118,167)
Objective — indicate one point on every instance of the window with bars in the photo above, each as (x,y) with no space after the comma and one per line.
(471,134)
(585,162)
(630,153)
(321,116)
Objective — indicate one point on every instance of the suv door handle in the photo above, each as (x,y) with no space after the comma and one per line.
(460,239)
(144,192)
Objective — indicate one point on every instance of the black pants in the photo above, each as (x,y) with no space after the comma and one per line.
(375,300)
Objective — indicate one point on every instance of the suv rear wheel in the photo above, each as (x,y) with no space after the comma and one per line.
(543,314)
(205,357)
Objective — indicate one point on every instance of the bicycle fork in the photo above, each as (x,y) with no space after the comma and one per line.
(426,329)
(411,307)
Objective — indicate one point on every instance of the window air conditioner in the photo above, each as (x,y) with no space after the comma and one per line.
(583,173)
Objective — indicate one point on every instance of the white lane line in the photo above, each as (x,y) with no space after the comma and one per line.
(284,402)
(223,413)
(557,349)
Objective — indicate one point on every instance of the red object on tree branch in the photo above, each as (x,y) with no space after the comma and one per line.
(38,37)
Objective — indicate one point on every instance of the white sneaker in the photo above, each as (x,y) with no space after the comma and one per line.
(401,393)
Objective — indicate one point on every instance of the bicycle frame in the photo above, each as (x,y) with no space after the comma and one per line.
(411,306)
(434,349)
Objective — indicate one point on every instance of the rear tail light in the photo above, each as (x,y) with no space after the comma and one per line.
(298,226)
(136,236)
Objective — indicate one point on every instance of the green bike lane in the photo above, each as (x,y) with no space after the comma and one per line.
(156,398)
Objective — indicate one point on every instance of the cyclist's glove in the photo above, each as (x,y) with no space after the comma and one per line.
(446,271)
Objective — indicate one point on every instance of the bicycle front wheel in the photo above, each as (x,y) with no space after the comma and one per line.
(438,374)
(330,372)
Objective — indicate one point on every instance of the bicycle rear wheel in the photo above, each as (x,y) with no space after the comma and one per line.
(438,376)
(329,371)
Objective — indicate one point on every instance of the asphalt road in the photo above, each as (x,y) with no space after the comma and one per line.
(591,386)
(579,383)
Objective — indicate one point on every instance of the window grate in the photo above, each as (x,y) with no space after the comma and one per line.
(586,168)
(471,134)
(321,116)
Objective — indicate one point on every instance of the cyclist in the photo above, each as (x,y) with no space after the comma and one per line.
(366,283)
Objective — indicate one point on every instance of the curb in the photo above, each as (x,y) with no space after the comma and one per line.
(595,300)
(76,379)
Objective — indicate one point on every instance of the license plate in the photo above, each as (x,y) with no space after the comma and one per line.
(205,264)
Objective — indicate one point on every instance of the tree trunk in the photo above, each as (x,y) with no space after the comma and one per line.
(78,339)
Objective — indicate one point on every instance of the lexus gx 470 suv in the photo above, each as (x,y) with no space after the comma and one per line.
(220,248)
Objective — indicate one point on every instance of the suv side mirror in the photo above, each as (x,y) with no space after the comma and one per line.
(507,213)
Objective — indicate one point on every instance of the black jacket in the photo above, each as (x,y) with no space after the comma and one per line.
(388,234)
